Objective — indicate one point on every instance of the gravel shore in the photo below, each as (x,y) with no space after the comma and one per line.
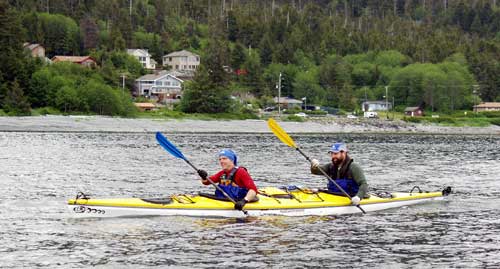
(317,125)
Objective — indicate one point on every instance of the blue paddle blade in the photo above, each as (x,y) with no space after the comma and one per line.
(169,146)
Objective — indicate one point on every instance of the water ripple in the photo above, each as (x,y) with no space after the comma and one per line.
(40,171)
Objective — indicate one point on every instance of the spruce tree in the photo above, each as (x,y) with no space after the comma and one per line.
(15,102)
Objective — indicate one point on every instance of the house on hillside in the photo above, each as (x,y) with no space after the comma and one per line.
(145,106)
(414,111)
(163,87)
(36,50)
(86,61)
(367,106)
(143,57)
(288,103)
(488,106)
(182,60)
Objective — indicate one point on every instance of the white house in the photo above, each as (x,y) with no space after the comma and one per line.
(376,106)
(182,60)
(144,57)
(162,86)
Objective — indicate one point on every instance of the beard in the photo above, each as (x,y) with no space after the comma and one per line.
(337,161)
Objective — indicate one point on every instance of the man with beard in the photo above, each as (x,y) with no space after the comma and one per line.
(346,174)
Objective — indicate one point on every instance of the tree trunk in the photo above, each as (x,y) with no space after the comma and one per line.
(345,14)
(272,9)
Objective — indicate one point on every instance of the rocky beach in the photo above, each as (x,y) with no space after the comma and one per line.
(311,125)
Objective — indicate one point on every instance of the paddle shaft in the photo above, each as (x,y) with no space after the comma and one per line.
(216,186)
(285,138)
(170,148)
(330,178)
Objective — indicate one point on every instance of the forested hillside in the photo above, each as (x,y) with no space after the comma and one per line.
(442,54)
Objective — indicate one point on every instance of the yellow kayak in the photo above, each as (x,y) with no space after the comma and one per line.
(271,201)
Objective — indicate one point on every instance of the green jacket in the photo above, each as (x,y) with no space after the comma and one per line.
(355,172)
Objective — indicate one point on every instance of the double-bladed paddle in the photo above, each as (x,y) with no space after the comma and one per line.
(170,148)
(285,138)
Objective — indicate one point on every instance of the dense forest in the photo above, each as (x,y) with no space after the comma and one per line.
(440,54)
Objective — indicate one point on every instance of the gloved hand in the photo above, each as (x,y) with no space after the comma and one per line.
(355,200)
(202,173)
(314,163)
(240,204)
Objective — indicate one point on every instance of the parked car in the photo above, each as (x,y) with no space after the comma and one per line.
(350,116)
(301,114)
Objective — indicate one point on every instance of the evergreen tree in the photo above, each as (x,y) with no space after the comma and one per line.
(89,32)
(15,102)
(202,95)
(237,56)
(11,40)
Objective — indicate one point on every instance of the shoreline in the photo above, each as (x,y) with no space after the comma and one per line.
(86,124)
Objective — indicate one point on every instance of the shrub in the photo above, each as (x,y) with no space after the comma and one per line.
(495,121)
(294,118)
(412,119)
(490,114)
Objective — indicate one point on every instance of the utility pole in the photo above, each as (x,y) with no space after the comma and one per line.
(279,96)
(386,102)
(475,87)
(123,84)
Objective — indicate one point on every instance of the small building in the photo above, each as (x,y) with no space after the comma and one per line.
(414,111)
(367,106)
(487,106)
(36,50)
(288,103)
(143,57)
(81,60)
(163,86)
(182,60)
(145,106)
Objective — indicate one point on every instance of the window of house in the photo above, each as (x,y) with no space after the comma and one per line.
(158,83)
(176,66)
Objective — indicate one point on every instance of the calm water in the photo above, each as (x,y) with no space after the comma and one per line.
(40,171)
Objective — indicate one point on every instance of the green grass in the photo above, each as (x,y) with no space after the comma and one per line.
(171,114)
(45,111)
(294,118)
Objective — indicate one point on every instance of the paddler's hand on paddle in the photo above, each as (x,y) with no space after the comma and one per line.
(202,173)
(355,200)
(240,204)
(314,163)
